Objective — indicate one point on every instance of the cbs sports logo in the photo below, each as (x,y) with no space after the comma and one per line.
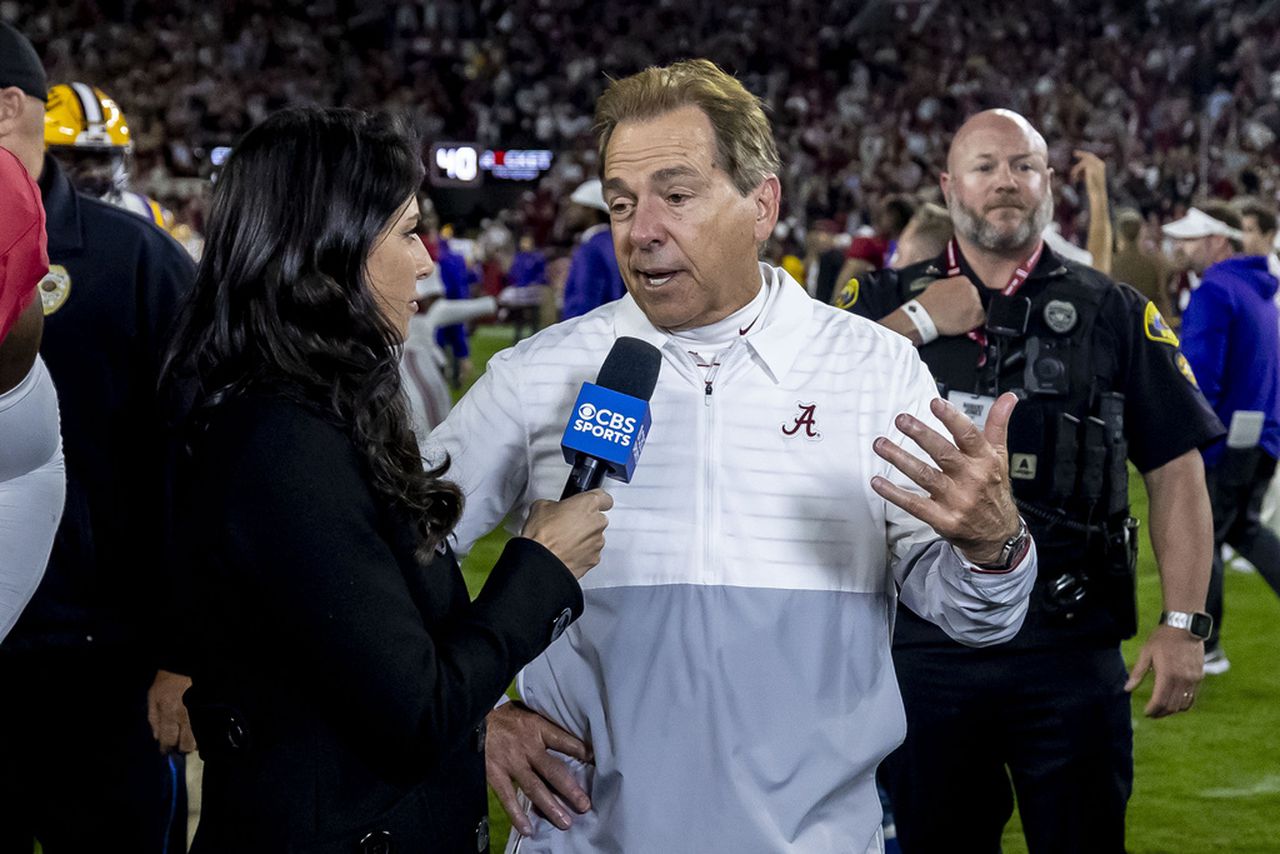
(605,424)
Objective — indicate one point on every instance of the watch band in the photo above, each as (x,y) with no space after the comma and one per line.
(1198,623)
(1014,549)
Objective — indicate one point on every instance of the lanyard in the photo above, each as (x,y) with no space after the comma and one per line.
(1015,282)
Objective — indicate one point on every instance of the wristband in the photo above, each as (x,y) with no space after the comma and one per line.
(921,320)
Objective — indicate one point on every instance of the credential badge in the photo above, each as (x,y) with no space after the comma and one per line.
(1060,316)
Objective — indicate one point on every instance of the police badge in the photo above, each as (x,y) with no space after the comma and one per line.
(54,289)
(1060,316)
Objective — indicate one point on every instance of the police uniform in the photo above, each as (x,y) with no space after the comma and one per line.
(1102,381)
(78,764)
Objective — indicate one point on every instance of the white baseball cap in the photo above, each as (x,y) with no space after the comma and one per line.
(590,194)
(1196,224)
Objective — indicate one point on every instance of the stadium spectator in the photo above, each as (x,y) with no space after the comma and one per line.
(739,631)
(1258,230)
(32,475)
(872,251)
(1046,716)
(593,273)
(1136,267)
(94,653)
(860,106)
(341,671)
(1231,337)
(925,236)
(457,278)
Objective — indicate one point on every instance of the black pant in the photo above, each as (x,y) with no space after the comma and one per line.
(1055,721)
(1237,483)
(79,768)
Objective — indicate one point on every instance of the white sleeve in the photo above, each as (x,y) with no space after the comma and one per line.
(973,607)
(487,442)
(32,489)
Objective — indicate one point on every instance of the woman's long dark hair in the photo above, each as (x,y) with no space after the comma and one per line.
(282,302)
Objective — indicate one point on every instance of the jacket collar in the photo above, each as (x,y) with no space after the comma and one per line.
(776,343)
(61,208)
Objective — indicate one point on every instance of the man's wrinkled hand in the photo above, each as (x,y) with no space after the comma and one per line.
(1177,657)
(954,305)
(967,499)
(167,715)
(517,755)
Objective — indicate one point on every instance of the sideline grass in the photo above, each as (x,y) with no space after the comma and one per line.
(1205,781)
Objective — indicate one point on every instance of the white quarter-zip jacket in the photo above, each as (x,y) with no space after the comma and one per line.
(732,670)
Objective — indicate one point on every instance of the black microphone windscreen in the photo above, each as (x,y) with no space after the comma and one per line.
(631,368)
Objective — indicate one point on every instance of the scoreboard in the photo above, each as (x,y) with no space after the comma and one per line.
(465,164)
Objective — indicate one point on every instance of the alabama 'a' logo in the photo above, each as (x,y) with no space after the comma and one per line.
(805,424)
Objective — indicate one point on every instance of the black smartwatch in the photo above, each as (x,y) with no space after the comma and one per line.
(1198,623)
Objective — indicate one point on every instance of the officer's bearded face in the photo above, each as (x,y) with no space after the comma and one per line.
(997,183)
(1008,233)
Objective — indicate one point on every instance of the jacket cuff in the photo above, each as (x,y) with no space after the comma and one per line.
(532,594)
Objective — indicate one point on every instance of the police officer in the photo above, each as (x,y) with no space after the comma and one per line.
(1102,382)
(89,692)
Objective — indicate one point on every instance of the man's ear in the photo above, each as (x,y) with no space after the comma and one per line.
(768,199)
(944,182)
(13,102)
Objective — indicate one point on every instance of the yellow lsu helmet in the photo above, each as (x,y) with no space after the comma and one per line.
(83,117)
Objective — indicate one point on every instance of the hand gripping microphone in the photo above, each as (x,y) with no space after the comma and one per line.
(610,418)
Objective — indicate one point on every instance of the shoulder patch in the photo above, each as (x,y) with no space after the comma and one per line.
(54,289)
(1185,366)
(1155,327)
(849,294)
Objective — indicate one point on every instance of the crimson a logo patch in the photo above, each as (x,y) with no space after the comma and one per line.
(805,423)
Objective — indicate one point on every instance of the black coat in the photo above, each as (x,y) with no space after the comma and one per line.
(340,686)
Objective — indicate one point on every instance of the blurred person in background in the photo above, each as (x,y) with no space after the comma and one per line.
(32,474)
(1231,338)
(87,131)
(1133,265)
(925,236)
(593,278)
(341,671)
(1258,232)
(457,278)
(95,653)
(872,251)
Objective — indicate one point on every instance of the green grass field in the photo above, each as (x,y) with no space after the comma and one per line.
(1205,781)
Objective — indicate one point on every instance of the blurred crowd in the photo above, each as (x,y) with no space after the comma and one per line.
(1180,97)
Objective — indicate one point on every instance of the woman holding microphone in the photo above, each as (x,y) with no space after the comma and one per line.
(340,672)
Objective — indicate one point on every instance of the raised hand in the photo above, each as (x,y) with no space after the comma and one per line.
(967,499)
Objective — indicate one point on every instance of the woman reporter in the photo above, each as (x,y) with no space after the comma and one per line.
(341,675)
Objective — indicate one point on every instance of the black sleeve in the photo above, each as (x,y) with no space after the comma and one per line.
(871,295)
(1165,413)
(302,521)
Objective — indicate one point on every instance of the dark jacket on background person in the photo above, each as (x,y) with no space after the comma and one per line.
(115,287)
(340,685)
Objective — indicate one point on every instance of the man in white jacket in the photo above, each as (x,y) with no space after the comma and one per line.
(730,686)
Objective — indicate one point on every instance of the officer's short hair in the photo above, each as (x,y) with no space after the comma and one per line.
(744,139)
(1223,212)
(1263,215)
(1129,224)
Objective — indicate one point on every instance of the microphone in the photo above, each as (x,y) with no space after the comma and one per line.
(610,419)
